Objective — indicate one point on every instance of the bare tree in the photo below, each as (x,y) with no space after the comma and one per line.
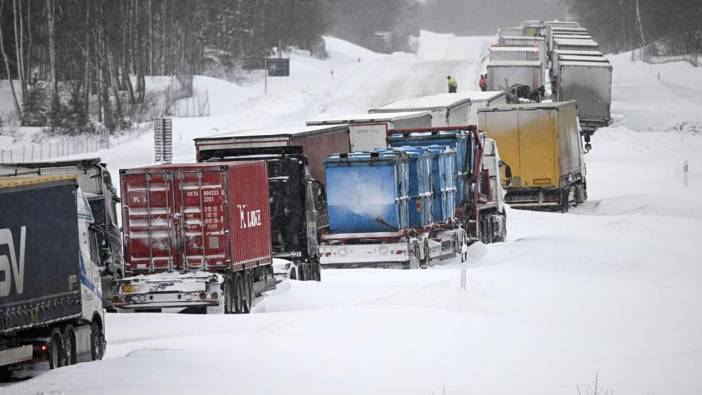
(18,109)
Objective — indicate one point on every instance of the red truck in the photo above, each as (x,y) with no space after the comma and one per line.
(196,237)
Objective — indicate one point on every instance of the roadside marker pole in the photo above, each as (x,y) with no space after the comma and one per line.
(464,274)
(685,171)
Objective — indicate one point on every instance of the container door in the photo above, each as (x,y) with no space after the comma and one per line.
(502,127)
(537,142)
(200,221)
(148,206)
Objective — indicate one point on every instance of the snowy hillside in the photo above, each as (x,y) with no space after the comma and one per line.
(614,287)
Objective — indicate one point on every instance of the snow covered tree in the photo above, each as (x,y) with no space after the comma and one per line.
(34,109)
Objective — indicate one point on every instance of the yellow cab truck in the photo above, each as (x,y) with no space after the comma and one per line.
(541,144)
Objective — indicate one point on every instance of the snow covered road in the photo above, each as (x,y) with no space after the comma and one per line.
(614,287)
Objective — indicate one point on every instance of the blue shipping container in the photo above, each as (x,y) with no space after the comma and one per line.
(420,187)
(457,140)
(443,205)
(367,192)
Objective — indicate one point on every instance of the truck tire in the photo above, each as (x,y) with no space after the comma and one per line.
(56,355)
(228,297)
(317,270)
(564,200)
(69,345)
(248,292)
(580,193)
(238,293)
(4,373)
(97,341)
(424,263)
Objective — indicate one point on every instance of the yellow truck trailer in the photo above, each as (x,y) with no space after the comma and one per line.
(541,144)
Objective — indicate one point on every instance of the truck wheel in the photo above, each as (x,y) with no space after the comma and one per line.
(228,297)
(4,373)
(564,200)
(56,357)
(238,293)
(424,263)
(69,345)
(580,193)
(97,341)
(248,293)
(317,271)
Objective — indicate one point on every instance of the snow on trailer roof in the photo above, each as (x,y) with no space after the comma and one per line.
(368,118)
(273,132)
(556,22)
(573,36)
(529,106)
(585,64)
(584,52)
(576,42)
(585,58)
(442,100)
(523,38)
(498,48)
(501,63)
(568,29)
(184,166)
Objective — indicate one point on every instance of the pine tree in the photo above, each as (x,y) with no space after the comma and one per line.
(34,111)
(77,117)
(57,118)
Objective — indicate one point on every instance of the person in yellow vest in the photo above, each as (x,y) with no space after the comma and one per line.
(452,84)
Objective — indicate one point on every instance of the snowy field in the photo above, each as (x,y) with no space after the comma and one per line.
(612,288)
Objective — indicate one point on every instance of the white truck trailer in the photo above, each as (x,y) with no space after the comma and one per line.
(447,109)
(369,131)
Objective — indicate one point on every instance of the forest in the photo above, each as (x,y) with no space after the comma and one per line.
(627,24)
(74,61)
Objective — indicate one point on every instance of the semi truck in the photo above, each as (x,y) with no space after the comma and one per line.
(368,131)
(511,75)
(479,206)
(297,198)
(196,237)
(522,41)
(589,82)
(574,44)
(447,109)
(50,288)
(542,145)
(96,183)
(558,54)
(391,208)
(512,51)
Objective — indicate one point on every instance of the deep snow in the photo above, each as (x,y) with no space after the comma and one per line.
(614,287)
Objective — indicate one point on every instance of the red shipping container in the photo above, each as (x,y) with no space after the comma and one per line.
(202,216)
